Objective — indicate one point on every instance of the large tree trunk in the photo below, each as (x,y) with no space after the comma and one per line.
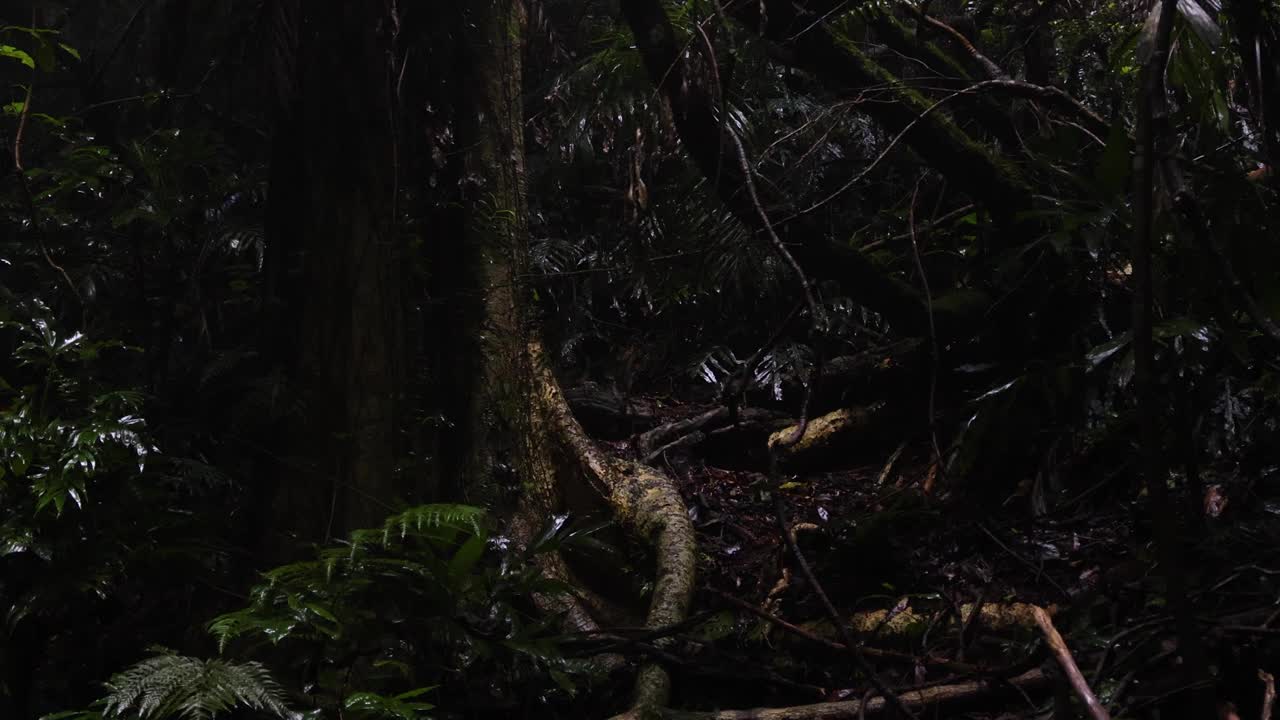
(347,359)
(510,380)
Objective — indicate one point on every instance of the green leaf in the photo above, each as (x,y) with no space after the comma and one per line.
(1180,326)
(322,612)
(718,626)
(1200,22)
(73,715)
(16,54)
(562,679)
(69,50)
(465,559)
(1112,173)
(46,57)
(19,461)
(416,692)
(1099,354)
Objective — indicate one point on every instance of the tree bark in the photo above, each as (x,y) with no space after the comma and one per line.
(347,359)
(851,709)
(1152,117)
(704,138)
(517,392)
(810,42)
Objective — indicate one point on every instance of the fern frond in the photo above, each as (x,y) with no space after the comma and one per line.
(185,687)
(442,515)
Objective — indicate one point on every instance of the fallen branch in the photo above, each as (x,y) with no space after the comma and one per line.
(670,432)
(821,435)
(854,649)
(1268,694)
(929,660)
(996,617)
(687,441)
(607,643)
(989,67)
(1062,654)
(605,412)
(851,709)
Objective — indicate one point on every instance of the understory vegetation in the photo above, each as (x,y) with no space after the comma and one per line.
(681,359)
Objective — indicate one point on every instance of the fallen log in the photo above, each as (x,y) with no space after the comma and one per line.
(825,437)
(992,616)
(700,426)
(850,709)
(606,413)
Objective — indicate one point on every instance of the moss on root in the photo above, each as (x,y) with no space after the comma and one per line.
(645,503)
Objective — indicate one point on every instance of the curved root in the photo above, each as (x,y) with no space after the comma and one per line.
(647,504)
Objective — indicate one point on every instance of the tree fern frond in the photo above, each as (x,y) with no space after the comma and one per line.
(178,686)
(191,473)
(441,515)
(230,626)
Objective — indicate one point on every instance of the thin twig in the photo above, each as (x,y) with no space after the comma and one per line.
(1038,570)
(106,62)
(1268,694)
(859,659)
(1062,654)
(1115,640)
(806,285)
(27,198)
(944,219)
(933,332)
(22,124)
(992,70)
(1056,95)
(815,310)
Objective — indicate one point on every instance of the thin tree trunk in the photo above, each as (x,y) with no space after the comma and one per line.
(1153,51)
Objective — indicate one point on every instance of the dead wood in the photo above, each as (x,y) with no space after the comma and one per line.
(915,699)
(825,437)
(1268,694)
(1062,654)
(693,430)
(993,616)
(871,652)
(606,413)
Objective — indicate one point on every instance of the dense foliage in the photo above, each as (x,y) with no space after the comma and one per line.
(1012,264)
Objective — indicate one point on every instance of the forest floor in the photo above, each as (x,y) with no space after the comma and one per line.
(906,569)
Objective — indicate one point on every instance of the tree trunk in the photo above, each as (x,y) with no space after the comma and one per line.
(348,356)
(513,387)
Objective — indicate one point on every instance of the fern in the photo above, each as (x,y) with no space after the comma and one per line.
(185,687)
(428,517)
(404,706)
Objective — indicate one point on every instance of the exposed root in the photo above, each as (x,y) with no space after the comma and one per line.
(645,503)
(579,613)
